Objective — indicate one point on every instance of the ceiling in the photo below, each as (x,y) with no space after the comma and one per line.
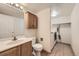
(61,8)
(36,7)
(64,10)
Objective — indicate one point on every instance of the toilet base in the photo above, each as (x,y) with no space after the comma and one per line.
(38,53)
(37,49)
(34,54)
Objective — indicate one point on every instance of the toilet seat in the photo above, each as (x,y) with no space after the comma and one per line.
(37,47)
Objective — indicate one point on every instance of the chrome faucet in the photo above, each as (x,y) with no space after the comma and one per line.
(14,37)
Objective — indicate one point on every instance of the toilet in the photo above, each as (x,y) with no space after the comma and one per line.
(37,47)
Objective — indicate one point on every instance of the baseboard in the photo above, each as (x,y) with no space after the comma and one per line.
(73,51)
(63,43)
(54,46)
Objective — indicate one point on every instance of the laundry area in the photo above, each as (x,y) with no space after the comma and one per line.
(60,32)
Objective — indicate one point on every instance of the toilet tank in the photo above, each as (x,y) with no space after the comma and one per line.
(33,40)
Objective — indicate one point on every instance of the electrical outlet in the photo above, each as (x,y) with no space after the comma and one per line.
(41,39)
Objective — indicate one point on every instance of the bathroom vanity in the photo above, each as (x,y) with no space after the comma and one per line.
(22,47)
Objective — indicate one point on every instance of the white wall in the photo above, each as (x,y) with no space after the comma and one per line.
(44,28)
(65,32)
(60,20)
(75,29)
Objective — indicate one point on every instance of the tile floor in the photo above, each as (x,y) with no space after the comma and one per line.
(60,49)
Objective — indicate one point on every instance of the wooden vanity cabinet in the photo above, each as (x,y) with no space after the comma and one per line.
(11,52)
(31,20)
(26,49)
(21,50)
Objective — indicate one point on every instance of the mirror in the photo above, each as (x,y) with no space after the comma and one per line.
(9,23)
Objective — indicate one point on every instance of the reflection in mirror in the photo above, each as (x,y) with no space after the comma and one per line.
(11,21)
(10,26)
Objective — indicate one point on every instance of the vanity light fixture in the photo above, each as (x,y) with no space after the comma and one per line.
(21,7)
(16,5)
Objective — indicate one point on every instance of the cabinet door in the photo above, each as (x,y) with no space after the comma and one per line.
(11,52)
(30,21)
(35,20)
(26,49)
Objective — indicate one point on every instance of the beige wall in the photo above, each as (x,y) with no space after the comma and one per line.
(44,28)
(75,29)
(28,32)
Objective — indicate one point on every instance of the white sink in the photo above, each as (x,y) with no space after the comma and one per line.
(9,43)
(14,42)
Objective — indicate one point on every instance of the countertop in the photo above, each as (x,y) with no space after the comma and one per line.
(8,43)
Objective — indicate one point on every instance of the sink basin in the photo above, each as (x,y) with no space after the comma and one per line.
(14,42)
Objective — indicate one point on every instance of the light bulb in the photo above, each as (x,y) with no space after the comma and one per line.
(21,7)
